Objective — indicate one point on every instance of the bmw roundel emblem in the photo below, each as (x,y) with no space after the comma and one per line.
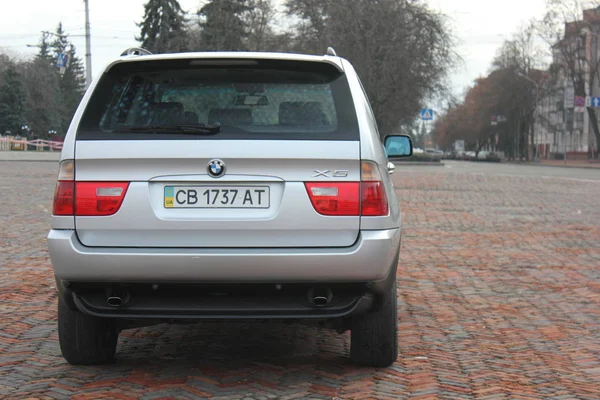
(216,168)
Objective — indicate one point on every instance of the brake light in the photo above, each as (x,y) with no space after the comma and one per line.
(99,198)
(64,195)
(335,198)
(64,198)
(373,199)
(366,198)
(86,198)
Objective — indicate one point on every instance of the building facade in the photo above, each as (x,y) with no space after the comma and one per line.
(558,128)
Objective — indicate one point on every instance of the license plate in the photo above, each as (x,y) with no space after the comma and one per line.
(216,197)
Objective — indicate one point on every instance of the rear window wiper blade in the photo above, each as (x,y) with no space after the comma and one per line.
(200,128)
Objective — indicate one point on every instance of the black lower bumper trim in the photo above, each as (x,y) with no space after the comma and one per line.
(177,307)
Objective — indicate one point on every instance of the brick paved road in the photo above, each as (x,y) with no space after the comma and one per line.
(499,298)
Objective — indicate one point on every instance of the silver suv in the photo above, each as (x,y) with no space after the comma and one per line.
(226,186)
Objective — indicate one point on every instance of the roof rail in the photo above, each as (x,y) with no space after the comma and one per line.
(331,52)
(135,51)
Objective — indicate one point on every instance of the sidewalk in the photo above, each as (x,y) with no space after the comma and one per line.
(588,164)
(30,156)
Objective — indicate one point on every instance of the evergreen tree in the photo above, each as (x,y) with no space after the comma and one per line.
(45,50)
(44,109)
(163,28)
(12,99)
(223,24)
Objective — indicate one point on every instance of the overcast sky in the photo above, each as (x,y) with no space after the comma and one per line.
(480,26)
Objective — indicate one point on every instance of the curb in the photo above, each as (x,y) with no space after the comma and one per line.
(554,166)
(26,156)
(418,163)
(29,160)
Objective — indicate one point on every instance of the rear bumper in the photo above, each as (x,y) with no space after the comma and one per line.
(370,259)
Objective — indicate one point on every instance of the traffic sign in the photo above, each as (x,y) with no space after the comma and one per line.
(579,101)
(496,119)
(595,102)
(569,96)
(63,60)
(427,114)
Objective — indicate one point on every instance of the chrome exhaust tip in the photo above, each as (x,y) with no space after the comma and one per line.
(115,301)
(320,297)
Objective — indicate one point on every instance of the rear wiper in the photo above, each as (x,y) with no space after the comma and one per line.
(200,128)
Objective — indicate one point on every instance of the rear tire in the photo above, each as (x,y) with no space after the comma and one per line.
(86,340)
(374,336)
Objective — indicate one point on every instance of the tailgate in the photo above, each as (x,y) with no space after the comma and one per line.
(285,216)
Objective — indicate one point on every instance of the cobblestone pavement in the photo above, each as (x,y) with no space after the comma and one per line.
(499,297)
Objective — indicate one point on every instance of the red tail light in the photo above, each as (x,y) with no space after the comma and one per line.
(335,198)
(64,197)
(86,198)
(99,198)
(373,199)
(366,198)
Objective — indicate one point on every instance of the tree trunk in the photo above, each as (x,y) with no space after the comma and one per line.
(594,123)
(532,149)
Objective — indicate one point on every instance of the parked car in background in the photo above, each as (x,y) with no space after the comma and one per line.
(482,155)
(493,157)
(488,156)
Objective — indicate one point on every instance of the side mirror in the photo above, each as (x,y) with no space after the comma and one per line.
(398,146)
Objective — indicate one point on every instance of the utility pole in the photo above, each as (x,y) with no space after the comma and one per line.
(88,47)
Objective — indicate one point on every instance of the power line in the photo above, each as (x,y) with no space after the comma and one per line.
(20,36)
(102,28)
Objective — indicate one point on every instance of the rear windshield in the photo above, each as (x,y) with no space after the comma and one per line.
(249,99)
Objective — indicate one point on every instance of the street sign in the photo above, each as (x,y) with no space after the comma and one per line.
(496,119)
(459,146)
(62,60)
(579,101)
(426,114)
(569,97)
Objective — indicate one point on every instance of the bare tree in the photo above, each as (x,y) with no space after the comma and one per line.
(260,21)
(522,83)
(402,50)
(572,28)
(311,27)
